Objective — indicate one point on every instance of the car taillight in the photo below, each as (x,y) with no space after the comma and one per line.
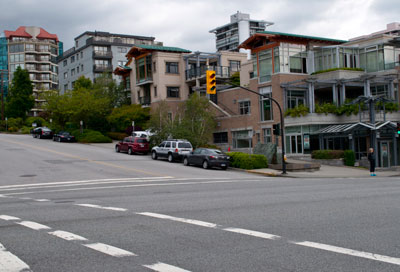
(176,150)
(213,157)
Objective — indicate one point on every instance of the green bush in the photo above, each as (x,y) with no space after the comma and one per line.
(90,136)
(335,69)
(246,161)
(26,130)
(327,154)
(13,129)
(40,122)
(326,108)
(15,123)
(117,135)
(349,158)
(298,111)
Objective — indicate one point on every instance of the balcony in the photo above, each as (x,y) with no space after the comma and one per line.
(143,81)
(145,100)
(198,72)
(102,54)
(99,68)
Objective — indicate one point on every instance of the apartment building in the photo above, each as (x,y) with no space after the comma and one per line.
(34,49)
(157,73)
(229,36)
(96,53)
(307,75)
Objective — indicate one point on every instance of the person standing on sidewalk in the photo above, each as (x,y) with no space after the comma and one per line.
(371,158)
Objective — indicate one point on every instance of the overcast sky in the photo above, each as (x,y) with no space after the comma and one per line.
(186,23)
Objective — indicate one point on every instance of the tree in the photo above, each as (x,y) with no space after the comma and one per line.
(59,107)
(116,93)
(83,82)
(121,118)
(20,99)
(160,123)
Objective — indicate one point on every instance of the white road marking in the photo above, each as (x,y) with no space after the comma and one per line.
(41,200)
(33,225)
(178,219)
(351,252)
(254,233)
(79,182)
(9,218)
(110,250)
(25,198)
(3,196)
(162,267)
(67,235)
(11,263)
(101,207)
(127,186)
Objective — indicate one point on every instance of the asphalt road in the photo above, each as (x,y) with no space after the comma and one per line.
(75,207)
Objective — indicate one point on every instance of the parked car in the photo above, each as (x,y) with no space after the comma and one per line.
(142,134)
(42,133)
(173,149)
(207,158)
(133,145)
(64,136)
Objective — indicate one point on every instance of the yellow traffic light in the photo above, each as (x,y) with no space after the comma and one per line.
(211,82)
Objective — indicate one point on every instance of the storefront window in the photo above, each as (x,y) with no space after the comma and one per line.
(242,139)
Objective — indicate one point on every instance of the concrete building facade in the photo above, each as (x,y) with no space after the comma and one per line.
(96,53)
(34,49)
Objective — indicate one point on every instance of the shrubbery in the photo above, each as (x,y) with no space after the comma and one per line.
(327,154)
(117,135)
(247,161)
(90,136)
(349,158)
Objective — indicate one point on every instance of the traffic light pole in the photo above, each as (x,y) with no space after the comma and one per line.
(282,122)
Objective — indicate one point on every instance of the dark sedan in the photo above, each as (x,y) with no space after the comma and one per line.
(64,136)
(42,133)
(207,158)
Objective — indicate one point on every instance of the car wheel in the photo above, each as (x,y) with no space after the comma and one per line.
(185,162)
(224,167)
(154,155)
(40,136)
(59,140)
(130,152)
(205,164)
(54,139)
(170,158)
(117,149)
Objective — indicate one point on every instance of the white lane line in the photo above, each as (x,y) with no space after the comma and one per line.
(11,263)
(67,236)
(41,200)
(163,267)
(101,207)
(128,186)
(9,218)
(33,225)
(78,182)
(254,233)
(25,198)
(178,219)
(110,250)
(3,196)
(351,252)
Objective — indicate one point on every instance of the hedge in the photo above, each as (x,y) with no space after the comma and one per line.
(327,154)
(349,158)
(90,136)
(117,135)
(246,161)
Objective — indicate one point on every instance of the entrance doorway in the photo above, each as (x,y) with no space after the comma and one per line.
(294,144)
(385,154)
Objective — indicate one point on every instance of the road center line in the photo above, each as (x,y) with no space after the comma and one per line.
(10,262)
(110,250)
(254,233)
(178,219)
(67,235)
(33,225)
(101,207)
(163,267)
(351,252)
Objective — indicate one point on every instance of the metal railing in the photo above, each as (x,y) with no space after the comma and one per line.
(102,54)
(145,100)
(102,68)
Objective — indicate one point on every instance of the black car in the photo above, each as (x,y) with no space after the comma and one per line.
(207,158)
(42,133)
(63,136)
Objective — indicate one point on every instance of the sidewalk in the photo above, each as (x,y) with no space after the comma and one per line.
(327,171)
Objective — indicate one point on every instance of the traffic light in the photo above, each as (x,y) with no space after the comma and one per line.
(211,82)
(398,128)
(276,129)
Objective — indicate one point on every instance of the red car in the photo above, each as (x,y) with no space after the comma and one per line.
(133,145)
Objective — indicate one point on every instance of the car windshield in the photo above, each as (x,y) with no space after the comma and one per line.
(184,145)
(216,151)
(46,129)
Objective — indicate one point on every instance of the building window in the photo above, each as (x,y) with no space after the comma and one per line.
(154,67)
(155,91)
(295,98)
(29,47)
(77,56)
(266,104)
(220,137)
(172,91)
(77,70)
(244,107)
(267,135)
(242,139)
(16,58)
(81,54)
(76,44)
(265,62)
(65,63)
(121,63)
(82,67)
(122,50)
(73,84)
(15,48)
(66,75)
(72,59)
(234,65)
(65,87)
(72,72)
(172,68)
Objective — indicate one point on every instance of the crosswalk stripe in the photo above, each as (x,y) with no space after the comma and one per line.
(178,219)
(163,267)
(9,218)
(101,207)
(33,225)
(110,250)
(67,235)
(11,263)
(254,233)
